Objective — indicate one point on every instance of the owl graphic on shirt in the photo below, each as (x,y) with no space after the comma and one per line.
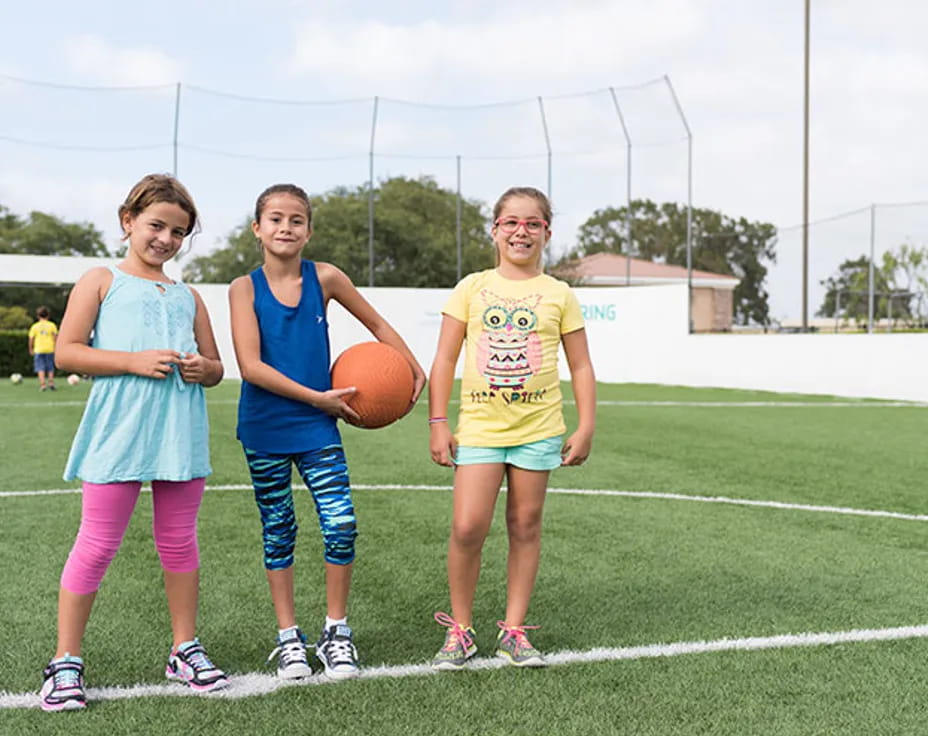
(509,348)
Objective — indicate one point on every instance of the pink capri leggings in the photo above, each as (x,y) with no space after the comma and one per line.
(105,513)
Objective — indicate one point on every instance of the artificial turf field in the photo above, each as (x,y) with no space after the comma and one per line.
(727,562)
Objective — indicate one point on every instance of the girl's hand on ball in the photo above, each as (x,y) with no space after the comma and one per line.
(333,402)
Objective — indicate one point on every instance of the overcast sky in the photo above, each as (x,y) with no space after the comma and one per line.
(463,79)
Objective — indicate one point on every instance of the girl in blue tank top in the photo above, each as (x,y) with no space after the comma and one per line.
(287,416)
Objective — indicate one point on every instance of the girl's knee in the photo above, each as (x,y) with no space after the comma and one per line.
(524,528)
(279,542)
(179,556)
(468,534)
(338,537)
(87,564)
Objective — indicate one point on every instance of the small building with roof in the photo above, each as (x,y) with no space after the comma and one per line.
(713,293)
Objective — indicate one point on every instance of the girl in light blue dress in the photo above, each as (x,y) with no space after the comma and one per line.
(148,342)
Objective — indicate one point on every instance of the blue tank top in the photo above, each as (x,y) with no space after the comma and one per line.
(295,341)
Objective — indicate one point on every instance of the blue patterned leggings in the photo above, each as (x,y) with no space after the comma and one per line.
(325,474)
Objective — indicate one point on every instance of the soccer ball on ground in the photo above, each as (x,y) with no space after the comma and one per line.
(16,377)
(74,379)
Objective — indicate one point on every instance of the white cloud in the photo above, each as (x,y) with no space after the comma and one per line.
(105,63)
(542,48)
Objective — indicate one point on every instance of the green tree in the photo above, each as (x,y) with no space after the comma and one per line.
(900,280)
(42,234)
(239,256)
(45,235)
(414,237)
(846,290)
(721,244)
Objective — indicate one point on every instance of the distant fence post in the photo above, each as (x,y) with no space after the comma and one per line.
(457,220)
(689,202)
(870,270)
(176,126)
(628,189)
(370,200)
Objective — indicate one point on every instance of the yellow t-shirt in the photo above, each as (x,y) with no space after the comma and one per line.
(510,390)
(42,334)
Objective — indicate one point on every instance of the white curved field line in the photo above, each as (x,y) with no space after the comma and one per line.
(757,503)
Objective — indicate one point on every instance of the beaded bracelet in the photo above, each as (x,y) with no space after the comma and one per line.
(437,420)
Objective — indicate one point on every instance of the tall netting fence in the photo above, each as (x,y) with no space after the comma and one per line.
(867,271)
(74,151)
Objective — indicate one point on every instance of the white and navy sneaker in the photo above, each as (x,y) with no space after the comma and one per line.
(63,688)
(190,665)
(291,655)
(337,653)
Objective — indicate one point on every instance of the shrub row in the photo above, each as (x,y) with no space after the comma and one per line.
(14,353)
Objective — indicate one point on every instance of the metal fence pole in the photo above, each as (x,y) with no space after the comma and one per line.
(176,126)
(871,274)
(544,126)
(457,223)
(689,204)
(805,176)
(628,189)
(370,200)
(837,308)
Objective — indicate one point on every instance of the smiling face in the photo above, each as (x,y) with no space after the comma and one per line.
(520,233)
(283,228)
(156,233)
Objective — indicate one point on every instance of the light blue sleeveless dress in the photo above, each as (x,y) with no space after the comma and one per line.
(136,428)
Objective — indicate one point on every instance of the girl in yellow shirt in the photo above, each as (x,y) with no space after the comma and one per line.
(511,321)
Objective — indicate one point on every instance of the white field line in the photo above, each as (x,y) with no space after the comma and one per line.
(844,510)
(768,404)
(258,683)
(852,404)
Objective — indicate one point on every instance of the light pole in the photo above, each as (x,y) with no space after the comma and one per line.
(805,177)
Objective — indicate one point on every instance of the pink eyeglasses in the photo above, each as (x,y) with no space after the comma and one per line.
(509,225)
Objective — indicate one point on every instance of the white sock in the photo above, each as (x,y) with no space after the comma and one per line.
(330,622)
(281,632)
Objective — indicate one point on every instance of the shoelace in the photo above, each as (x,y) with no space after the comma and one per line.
(516,633)
(340,651)
(290,653)
(457,633)
(196,657)
(67,677)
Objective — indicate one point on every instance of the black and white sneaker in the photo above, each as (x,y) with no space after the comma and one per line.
(63,688)
(337,653)
(190,665)
(291,655)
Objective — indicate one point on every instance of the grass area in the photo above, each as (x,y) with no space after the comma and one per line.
(616,572)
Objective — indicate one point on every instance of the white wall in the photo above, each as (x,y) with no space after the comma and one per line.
(639,335)
(16,269)
(636,335)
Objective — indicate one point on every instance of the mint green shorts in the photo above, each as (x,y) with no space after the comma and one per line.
(540,455)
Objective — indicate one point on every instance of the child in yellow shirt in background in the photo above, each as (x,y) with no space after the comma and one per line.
(42,337)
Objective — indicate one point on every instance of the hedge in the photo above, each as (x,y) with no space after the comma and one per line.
(14,352)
